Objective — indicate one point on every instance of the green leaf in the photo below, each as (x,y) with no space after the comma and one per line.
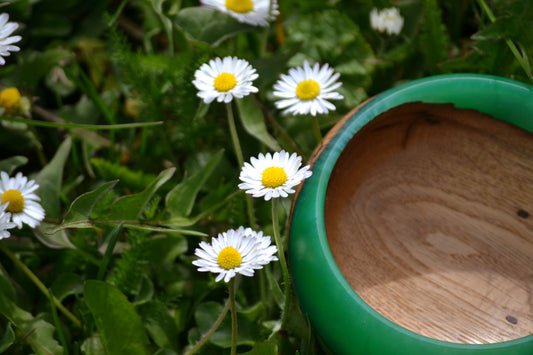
(254,123)
(180,200)
(39,332)
(434,40)
(131,207)
(92,346)
(209,25)
(207,313)
(159,324)
(50,179)
(120,327)
(166,249)
(67,284)
(10,164)
(266,348)
(8,338)
(79,213)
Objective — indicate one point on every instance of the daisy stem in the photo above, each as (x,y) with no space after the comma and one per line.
(316,127)
(282,261)
(240,160)
(39,284)
(213,328)
(233,317)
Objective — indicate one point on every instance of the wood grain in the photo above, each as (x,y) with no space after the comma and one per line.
(428,217)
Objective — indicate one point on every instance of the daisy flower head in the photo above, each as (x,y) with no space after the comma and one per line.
(5,222)
(6,41)
(234,252)
(223,79)
(13,103)
(22,202)
(387,20)
(252,12)
(273,175)
(307,90)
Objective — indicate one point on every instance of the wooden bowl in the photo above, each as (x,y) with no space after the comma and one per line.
(414,234)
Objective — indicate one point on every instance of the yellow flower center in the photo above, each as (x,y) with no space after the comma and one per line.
(240,6)
(307,89)
(229,258)
(15,199)
(273,177)
(225,82)
(10,98)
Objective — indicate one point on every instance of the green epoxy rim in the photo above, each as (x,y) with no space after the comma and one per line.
(343,321)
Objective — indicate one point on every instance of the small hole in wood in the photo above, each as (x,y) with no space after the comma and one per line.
(511,319)
(523,214)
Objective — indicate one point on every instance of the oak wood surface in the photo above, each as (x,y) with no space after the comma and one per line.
(427,215)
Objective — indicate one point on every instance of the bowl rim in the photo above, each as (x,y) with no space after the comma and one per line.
(318,281)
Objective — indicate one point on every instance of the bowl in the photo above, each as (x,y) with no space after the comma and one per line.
(414,234)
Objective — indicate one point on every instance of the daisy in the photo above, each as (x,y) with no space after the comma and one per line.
(233,252)
(306,90)
(223,79)
(5,222)
(6,42)
(253,12)
(12,102)
(273,176)
(388,20)
(19,194)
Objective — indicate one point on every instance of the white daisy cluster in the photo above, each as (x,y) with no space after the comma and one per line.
(307,90)
(252,12)
(233,252)
(387,20)
(223,79)
(6,40)
(273,176)
(21,202)
(5,222)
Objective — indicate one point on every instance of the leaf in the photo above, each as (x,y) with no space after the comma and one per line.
(39,332)
(209,25)
(50,179)
(8,338)
(207,313)
(266,348)
(253,121)
(159,324)
(180,200)
(166,249)
(92,346)
(434,40)
(10,164)
(79,212)
(131,207)
(67,284)
(120,327)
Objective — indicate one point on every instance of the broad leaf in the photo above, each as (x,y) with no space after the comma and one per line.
(80,210)
(253,121)
(39,332)
(120,327)
(209,25)
(131,207)
(180,199)
(159,324)
(50,179)
(10,164)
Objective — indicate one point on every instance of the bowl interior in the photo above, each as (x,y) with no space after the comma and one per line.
(427,216)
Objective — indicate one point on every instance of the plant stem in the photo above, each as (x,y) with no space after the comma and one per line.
(316,129)
(39,285)
(233,317)
(512,46)
(284,269)
(240,160)
(213,328)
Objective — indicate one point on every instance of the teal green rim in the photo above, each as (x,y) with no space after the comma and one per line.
(342,320)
